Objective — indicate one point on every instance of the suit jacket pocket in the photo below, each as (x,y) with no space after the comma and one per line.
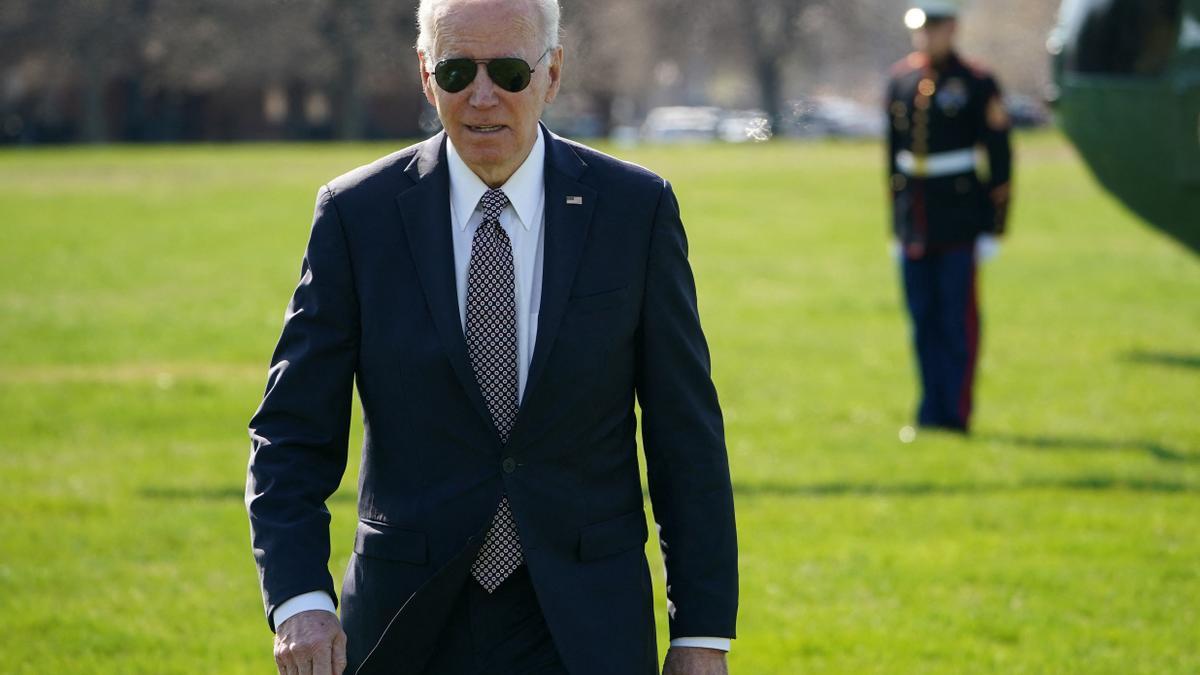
(613,536)
(378,540)
(591,302)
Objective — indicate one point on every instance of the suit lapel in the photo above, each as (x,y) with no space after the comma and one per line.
(425,209)
(566,233)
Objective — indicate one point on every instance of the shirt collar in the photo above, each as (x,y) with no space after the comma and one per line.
(524,189)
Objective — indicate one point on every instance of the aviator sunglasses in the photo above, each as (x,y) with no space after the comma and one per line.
(509,73)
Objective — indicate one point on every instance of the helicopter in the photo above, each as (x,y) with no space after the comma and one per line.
(1127,95)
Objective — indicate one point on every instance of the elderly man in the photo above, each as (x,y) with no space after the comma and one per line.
(500,296)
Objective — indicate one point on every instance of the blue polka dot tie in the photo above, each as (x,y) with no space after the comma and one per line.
(491,332)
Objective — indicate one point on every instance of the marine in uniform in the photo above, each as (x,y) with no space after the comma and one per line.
(947,214)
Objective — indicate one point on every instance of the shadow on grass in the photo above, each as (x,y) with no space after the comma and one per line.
(1092,484)
(1191,361)
(1068,443)
(811,490)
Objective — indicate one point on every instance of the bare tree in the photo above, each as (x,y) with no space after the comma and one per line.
(164,69)
(610,48)
(79,44)
(769,30)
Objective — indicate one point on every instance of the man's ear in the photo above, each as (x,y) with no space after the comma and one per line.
(555,71)
(426,78)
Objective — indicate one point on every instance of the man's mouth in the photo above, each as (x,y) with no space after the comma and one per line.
(485,129)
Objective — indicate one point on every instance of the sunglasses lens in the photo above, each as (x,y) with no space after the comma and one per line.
(509,74)
(454,75)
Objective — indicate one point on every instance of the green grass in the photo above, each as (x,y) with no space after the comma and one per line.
(142,289)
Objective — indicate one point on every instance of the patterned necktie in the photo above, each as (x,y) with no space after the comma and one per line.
(491,332)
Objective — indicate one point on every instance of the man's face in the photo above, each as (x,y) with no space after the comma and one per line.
(491,128)
(935,38)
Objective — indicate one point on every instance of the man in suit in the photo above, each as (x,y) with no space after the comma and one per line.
(499,296)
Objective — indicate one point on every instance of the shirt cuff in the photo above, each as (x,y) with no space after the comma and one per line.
(303,603)
(705,642)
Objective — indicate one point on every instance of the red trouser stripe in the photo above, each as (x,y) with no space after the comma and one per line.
(972,326)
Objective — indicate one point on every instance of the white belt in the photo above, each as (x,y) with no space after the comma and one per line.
(939,164)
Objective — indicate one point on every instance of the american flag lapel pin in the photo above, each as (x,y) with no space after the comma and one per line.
(574,199)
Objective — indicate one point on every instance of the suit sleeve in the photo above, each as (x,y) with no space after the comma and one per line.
(684,441)
(300,431)
(995,129)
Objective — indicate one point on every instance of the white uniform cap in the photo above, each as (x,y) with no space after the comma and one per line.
(937,9)
(921,11)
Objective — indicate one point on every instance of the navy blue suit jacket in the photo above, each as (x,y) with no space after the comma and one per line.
(376,307)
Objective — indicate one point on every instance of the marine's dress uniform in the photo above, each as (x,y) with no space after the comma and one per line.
(940,115)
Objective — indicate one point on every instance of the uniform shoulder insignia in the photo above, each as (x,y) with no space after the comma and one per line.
(914,61)
(997,115)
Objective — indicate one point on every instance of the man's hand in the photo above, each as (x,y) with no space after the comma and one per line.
(695,661)
(311,643)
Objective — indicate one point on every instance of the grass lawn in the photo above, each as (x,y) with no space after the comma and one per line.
(142,289)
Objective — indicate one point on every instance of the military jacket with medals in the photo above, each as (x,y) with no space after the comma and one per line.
(940,115)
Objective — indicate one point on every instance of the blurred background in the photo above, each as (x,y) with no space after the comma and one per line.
(219,70)
(146,263)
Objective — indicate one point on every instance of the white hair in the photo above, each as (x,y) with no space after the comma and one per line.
(427,14)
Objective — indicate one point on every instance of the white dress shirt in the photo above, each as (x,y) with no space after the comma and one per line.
(523,221)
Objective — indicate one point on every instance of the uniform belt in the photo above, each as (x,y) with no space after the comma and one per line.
(938,164)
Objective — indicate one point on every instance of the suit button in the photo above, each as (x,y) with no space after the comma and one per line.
(509,465)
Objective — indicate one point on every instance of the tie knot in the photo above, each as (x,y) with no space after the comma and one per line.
(493,202)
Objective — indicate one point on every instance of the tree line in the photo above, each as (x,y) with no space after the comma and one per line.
(170,70)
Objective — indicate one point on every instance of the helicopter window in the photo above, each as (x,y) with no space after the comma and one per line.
(1122,37)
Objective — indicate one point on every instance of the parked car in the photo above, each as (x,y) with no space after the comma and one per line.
(822,116)
(573,124)
(1026,111)
(742,126)
(681,124)
(803,118)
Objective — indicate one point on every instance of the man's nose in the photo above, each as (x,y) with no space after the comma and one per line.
(483,90)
